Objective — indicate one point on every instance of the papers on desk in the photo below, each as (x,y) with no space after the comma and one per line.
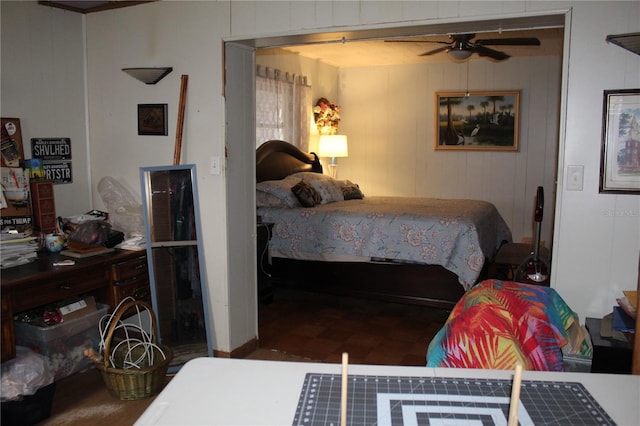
(17,249)
(134,244)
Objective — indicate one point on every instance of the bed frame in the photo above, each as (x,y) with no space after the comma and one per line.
(430,285)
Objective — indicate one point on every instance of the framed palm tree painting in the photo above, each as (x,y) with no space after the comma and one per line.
(477,121)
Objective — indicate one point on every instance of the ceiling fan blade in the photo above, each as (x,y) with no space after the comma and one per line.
(434,51)
(519,41)
(493,54)
(416,41)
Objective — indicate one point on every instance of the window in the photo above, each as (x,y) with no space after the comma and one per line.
(283,107)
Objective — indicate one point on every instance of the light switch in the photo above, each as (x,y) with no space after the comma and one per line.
(575,176)
(215,165)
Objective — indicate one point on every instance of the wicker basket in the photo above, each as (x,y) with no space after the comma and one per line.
(134,383)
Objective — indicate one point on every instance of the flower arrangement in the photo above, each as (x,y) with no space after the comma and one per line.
(326,116)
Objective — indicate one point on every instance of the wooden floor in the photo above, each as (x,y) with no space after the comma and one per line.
(322,327)
(296,326)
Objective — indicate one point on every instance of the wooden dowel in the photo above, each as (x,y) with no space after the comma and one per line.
(183,95)
(343,399)
(515,396)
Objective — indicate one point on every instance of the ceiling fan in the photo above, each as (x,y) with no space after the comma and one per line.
(461,46)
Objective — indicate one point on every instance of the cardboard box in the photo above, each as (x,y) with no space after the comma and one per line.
(78,309)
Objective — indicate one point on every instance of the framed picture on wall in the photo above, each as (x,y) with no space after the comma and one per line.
(620,156)
(477,121)
(152,119)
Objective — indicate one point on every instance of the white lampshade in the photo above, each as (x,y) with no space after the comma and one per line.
(333,146)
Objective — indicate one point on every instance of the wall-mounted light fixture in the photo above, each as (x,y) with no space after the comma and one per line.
(148,75)
(333,146)
(629,41)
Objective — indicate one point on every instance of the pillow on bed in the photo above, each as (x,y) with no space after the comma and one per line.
(264,199)
(306,194)
(277,193)
(328,188)
(350,190)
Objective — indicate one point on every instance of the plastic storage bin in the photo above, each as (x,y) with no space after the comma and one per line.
(63,344)
(577,363)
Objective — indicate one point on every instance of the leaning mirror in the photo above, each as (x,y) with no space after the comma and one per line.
(174,255)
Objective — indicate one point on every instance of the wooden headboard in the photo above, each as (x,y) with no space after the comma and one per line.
(278,159)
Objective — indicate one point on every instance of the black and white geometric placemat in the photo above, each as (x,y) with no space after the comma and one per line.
(402,401)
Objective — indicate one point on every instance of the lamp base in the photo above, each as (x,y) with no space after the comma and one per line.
(333,170)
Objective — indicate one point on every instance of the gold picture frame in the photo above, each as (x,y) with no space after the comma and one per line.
(477,121)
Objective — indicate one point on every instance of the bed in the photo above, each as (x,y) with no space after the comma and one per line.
(327,236)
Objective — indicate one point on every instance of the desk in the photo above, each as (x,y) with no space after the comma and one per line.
(223,391)
(109,277)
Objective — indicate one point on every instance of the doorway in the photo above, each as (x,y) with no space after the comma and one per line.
(240,112)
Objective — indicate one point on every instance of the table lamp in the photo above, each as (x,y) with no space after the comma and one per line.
(333,146)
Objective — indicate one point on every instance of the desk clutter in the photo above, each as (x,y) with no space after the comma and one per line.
(50,344)
(93,236)
(61,332)
(27,389)
(17,248)
(27,201)
(62,338)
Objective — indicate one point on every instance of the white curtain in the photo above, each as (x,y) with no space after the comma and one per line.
(283,107)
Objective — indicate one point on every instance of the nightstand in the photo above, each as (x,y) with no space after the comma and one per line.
(509,258)
(265,288)
(609,355)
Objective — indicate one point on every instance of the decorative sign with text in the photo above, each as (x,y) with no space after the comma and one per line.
(56,158)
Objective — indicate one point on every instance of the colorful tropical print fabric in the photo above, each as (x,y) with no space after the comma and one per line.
(499,323)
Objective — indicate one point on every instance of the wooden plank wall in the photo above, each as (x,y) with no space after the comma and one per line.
(388,114)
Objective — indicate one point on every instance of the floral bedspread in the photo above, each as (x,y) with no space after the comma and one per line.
(456,234)
(499,323)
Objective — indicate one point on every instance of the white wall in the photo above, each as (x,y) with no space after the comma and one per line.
(43,84)
(389,114)
(596,252)
(186,36)
(597,235)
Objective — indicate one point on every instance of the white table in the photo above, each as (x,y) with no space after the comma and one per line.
(221,391)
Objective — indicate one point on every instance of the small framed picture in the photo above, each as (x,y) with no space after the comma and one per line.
(620,156)
(152,119)
(477,121)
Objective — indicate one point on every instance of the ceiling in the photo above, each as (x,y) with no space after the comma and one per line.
(371,49)
(379,52)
